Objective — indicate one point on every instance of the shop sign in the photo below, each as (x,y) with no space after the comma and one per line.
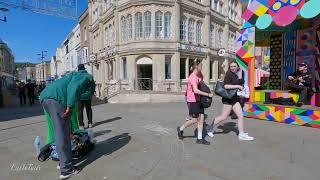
(192,48)
(93,57)
(221,52)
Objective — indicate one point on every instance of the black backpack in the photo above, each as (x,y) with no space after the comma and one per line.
(205,100)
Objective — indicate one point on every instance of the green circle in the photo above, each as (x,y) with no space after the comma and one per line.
(264,21)
(310,9)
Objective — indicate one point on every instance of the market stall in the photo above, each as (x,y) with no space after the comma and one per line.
(276,36)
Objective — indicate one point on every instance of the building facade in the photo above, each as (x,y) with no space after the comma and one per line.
(43,71)
(83,52)
(31,72)
(150,45)
(6,59)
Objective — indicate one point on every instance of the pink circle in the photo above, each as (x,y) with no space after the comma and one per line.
(285,15)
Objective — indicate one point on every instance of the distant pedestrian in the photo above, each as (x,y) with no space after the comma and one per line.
(22,93)
(196,110)
(31,87)
(57,99)
(85,101)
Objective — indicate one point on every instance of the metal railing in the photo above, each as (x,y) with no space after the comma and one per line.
(144,84)
(112,89)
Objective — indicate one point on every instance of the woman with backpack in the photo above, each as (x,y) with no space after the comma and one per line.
(231,81)
(196,110)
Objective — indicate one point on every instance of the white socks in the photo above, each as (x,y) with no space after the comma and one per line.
(199,134)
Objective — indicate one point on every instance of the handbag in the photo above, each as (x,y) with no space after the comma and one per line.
(205,100)
(224,93)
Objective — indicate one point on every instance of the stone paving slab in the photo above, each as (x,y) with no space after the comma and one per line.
(138,141)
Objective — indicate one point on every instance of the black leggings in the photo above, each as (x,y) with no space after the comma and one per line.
(87,105)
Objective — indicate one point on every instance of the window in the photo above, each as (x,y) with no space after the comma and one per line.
(183,29)
(129,26)
(215,5)
(221,7)
(190,30)
(183,68)
(199,32)
(124,68)
(110,35)
(124,29)
(147,24)
(211,70)
(85,33)
(220,39)
(107,36)
(159,27)
(167,25)
(168,66)
(110,70)
(138,26)
(212,37)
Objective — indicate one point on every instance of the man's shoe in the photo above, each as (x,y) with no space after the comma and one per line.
(203,141)
(89,125)
(74,171)
(210,131)
(81,127)
(180,133)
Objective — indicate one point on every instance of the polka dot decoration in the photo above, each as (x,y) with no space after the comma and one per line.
(310,9)
(264,21)
(286,15)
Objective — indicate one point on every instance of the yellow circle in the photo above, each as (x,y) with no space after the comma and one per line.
(294,2)
(277,5)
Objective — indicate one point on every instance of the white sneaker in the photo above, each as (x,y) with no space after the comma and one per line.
(81,127)
(210,131)
(58,167)
(245,137)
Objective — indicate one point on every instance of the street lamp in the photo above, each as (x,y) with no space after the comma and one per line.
(4,10)
(42,56)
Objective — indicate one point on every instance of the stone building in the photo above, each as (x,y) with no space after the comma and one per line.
(31,72)
(43,71)
(83,52)
(150,45)
(6,59)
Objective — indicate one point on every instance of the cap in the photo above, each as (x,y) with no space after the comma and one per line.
(81,67)
(303,64)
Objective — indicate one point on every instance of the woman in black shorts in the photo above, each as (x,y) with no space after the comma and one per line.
(196,110)
(231,81)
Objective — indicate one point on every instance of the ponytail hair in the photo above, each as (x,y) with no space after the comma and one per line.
(194,64)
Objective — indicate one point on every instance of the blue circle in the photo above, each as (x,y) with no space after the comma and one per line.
(310,9)
(264,21)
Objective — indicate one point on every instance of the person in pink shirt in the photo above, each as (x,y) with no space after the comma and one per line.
(196,111)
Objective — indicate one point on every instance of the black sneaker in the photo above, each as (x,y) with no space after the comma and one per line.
(203,141)
(299,104)
(180,133)
(66,175)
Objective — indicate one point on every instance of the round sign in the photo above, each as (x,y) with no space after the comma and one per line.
(221,52)
(93,57)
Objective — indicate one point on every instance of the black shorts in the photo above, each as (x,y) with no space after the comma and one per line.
(231,101)
(195,109)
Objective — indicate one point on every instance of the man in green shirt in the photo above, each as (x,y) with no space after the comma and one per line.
(57,99)
(85,102)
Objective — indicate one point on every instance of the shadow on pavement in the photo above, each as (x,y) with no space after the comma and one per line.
(105,148)
(8,114)
(100,133)
(227,128)
(106,121)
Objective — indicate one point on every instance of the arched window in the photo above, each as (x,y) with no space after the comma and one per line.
(183,30)
(212,34)
(147,24)
(139,31)
(191,30)
(199,32)
(123,29)
(129,26)
(220,38)
(159,27)
(167,25)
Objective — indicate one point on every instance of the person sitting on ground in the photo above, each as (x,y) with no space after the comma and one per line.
(301,82)
(57,99)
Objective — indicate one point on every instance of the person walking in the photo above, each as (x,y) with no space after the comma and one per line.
(22,93)
(231,81)
(85,101)
(196,110)
(57,99)
(30,91)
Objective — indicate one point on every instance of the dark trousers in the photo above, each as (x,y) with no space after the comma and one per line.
(305,93)
(62,132)
(81,105)
(31,98)
(22,98)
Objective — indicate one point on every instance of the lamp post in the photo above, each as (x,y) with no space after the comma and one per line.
(4,10)
(42,56)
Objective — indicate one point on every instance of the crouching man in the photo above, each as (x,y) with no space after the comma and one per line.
(57,99)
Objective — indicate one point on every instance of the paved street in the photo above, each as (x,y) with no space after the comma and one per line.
(138,141)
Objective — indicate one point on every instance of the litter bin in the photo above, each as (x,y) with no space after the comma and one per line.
(73,121)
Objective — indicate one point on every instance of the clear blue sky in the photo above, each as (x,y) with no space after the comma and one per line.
(28,33)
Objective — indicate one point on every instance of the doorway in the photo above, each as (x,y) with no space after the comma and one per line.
(144,74)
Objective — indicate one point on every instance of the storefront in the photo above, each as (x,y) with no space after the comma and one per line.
(276,36)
